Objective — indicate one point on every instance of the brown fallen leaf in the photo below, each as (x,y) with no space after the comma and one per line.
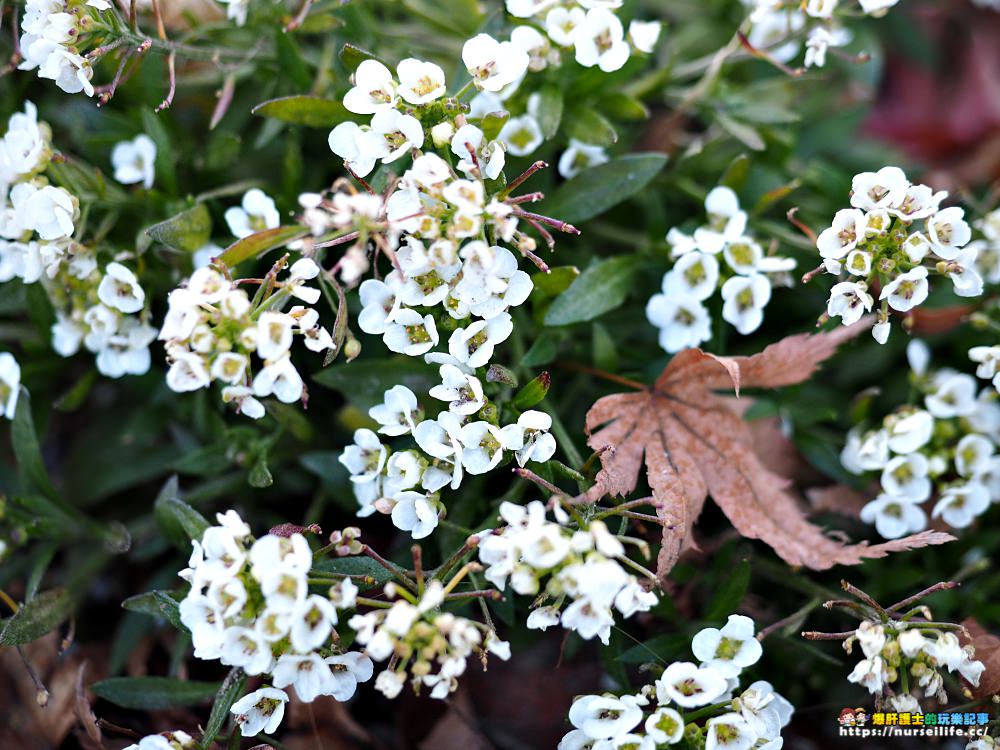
(838,498)
(694,445)
(987,648)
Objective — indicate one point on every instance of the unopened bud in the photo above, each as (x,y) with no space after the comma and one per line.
(441,133)
(490,413)
(352,348)
(384,505)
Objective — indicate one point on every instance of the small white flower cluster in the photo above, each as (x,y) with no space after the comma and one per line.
(10,384)
(54,33)
(212,328)
(165,741)
(987,246)
(583,567)
(135,161)
(655,716)
(777,24)
(896,649)
(104,310)
(589,28)
(249,606)
(428,646)
(406,484)
(746,279)
(876,241)
(947,449)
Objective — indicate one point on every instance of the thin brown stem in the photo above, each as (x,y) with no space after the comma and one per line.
(418,566)
(519,180)
(813,635)
(300,17)
(561,226)
(859,594)
(543,483)
(577,367)
(800,225)
(942,586)
(478,594)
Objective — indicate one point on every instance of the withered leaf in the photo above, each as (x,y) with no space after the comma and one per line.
(694,445)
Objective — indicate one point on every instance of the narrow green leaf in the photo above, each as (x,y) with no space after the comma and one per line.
(492,123)
(624,107)
(35,618)
(352,56)
(658,648)
(544,350)
(591,127)
(742,132)
(179,521)
(600,288)
(290,60)
(730,593)
(550,109)
(188,231)
(165,159)
(311,111)
(599,188)
(154,693)
(555,282)
(259,243)
(365,381)
(27,449)
(354,566)
(736,173)
(158,604)
(227,695)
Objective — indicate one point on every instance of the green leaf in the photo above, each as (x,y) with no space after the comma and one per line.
(257,244)
(27,449)
(730,593)
(736,173)
(595,190)
(600,288)
(165,158)
(84,181)
(556,281)
(154,693)
(591,127)
(550,109)
(291,62)
(228,692)
(492,123)
(741,132)
(624,106)
(188,231)
(364,382)
(179,521)
(260,475)
(311,111)
(35,618)
(354,566)
(544,350)
(658,648)
(533,392)
(352,56)
(158,604)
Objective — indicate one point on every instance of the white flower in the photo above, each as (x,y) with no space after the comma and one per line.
(246,648)
(255,213)
(411,334)
(400,132)
(50,211)
(847,230)
(303,270)
(119,289)
(527,8)
(988,359)
(346,671)
(961,504)
(308,673)
(963,274)
(730,649)
(521,135)
(484,443)
(539,445)
(312,622)
(274,335)
(70,71)
(580,156)
(390,684)
(955,396)
(135,161)
(10,384)
(473,346)
(380,301)
(909,432)
(820,39)
(947,232)
(489,155)
(907,290)
(492,64)
(561,24)
(683,322)
(360,147)
(849,301)
(396,413)
(973,454)
(894,516)
(664,726)
(906,476)
(604,717)
(374,89)
(644,35)
(729,732)
(870,673)
(366,458)
(876,7)
(689,685)
(413,512)
(600,40)
(883,189)
(745,298)
(694,275)
(419,82)
(442,438)
(463,392)
(187,373)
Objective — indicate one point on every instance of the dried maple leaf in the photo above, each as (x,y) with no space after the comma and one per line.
(694,445)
